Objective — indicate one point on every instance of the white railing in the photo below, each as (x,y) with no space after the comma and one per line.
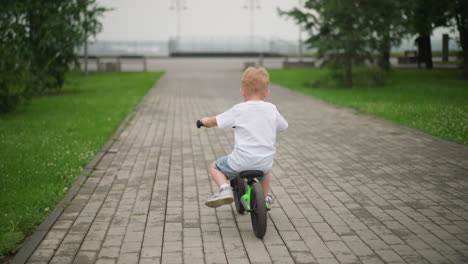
(220,45)
(232,45)
(192,44)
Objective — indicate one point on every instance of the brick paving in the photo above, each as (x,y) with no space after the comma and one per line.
(349,188)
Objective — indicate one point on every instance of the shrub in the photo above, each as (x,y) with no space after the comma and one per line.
(38,41)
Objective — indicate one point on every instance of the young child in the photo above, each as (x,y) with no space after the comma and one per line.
(256,123)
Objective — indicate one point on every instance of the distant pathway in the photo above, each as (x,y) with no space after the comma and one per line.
(349,188)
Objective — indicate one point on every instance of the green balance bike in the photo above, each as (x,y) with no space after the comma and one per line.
(249,197)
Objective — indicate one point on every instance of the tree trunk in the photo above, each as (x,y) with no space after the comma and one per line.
(424,50)
(349,76)
(463,35)
(462,25)
(384,56)
(419,43)
(428,51)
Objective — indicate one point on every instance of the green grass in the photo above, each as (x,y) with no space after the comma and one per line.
(435,101)
(45,144)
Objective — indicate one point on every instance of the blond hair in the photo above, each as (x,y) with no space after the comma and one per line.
(255,80)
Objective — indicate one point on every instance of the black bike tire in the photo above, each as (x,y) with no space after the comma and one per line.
(258,215)
(238,186)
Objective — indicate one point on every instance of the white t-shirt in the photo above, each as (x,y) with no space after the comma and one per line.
(256,124)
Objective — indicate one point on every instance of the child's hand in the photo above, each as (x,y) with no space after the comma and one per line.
(209,121)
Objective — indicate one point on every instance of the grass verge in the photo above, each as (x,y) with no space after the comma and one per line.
(435,101)
(45,144)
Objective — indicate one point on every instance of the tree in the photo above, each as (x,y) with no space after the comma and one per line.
(459,12)
(423,17)
(385,18)
(38,41)
(57,28)
(14,56)
(342,37)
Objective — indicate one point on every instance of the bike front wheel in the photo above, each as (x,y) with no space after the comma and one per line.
(258,210)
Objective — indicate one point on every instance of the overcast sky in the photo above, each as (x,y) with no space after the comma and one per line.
(138,20)
(223,20)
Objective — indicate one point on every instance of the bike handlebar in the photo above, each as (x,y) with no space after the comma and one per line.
(199,124)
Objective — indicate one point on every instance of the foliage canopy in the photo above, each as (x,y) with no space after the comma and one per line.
(350,33)
(38,44)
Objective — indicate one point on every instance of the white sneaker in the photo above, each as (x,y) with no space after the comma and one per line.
(269,201)
(224,196)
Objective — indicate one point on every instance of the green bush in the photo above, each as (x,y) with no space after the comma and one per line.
(370,77)
(14,82)
(38,41)
(14,58)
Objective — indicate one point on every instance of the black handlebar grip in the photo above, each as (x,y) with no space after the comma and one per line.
(199,124)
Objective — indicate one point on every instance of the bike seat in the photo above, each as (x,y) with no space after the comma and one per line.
(251,174)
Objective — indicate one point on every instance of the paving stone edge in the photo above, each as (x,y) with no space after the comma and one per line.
(35,239)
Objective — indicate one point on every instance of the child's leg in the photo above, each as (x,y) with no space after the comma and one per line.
(266,185)
(224,195)
(217,175)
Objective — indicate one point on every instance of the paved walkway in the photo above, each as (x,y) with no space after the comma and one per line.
(349,188)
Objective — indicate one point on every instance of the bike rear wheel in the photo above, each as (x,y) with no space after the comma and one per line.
(258,211)
(238,186)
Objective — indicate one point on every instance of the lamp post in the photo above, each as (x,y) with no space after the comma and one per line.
(301,3)
(251,6)
(178,6)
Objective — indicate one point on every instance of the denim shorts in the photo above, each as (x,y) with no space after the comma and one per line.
(223,165)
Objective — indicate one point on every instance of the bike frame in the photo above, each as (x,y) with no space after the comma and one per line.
(246,197)
(245,201)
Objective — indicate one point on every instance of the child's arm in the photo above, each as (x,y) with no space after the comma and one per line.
(223,120)
(281,123)
(209,121)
